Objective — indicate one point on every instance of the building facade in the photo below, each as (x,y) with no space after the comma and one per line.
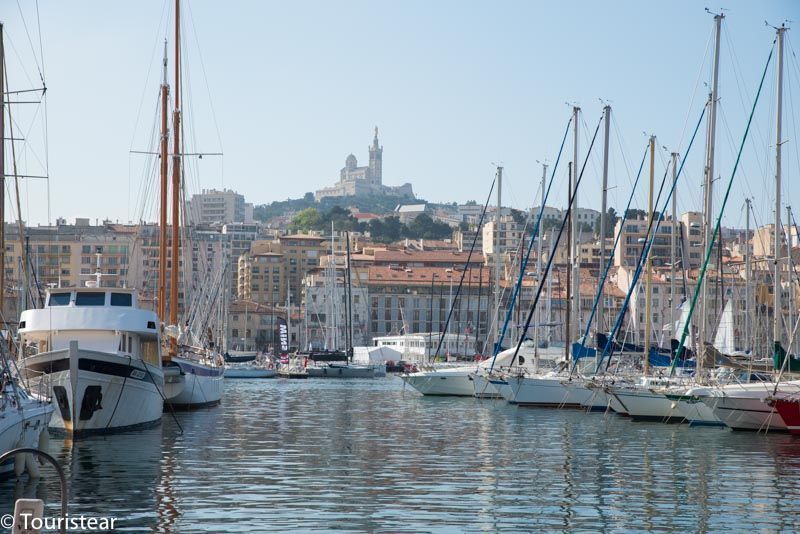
(219,207)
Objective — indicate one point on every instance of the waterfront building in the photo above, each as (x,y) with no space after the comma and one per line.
(219,207)
(253,326)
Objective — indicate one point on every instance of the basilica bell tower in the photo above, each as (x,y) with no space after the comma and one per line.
(376,161)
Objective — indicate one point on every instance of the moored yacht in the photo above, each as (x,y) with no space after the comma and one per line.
(553,389)
(645,400)
(203,371)
(690,404)
(442,381)
(744,406)
(23,422)
(788,407)
(100,355)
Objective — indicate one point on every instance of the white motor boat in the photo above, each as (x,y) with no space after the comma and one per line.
(99,355)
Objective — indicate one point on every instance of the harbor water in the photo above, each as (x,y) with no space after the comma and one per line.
(367,455)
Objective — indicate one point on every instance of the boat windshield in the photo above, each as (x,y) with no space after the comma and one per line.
(59,299)
(121,299)
(90,299)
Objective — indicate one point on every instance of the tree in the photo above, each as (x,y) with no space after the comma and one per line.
(463,226)
(308,219)
(518,216)
(611,222)
(635,213)
(386,230)
(424,227)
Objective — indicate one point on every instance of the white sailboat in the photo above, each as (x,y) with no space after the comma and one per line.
(200,365)
(23,420)
(724,339)
(23,417)
(338,363)
(744,406)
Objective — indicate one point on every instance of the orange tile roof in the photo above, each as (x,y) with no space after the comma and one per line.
(422,276)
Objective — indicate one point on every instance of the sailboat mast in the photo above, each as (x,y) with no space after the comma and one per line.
(789,271)
(603,207)
(164,154)
(576,272)
(568,296)
(2,174)
(176,177)
(776,331)
(648,272)
(497,261)
(539,265)
(349,302)
(709,178)
(477,313)
(748,343)
(673,244)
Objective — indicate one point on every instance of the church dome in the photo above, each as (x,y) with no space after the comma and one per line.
(350,163)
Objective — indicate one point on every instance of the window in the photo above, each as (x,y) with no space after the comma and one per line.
(121,299)
(90,299)
(59,299)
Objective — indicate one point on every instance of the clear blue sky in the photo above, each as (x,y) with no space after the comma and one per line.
(453,86)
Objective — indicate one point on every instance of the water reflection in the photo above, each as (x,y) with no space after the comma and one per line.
(366,455)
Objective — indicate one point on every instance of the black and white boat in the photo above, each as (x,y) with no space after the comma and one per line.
(99,355)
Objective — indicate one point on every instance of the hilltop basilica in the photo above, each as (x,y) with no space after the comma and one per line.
(364,181)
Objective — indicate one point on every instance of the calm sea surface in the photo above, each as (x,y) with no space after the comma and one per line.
(370,456)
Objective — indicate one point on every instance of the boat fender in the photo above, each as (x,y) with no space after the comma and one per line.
(19,459)
(32,466)
(44,439)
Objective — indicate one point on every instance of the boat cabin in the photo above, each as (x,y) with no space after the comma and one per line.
(100,319)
